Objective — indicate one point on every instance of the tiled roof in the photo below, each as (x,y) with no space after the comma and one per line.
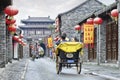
(37,19)
(107,8)
(81,4)
(34,26)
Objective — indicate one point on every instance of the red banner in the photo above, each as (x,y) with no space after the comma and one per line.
(88,33)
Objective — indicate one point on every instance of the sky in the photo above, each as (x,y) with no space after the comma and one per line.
(45,8)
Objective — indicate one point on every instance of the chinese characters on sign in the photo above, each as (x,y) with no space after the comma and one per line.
(50,42)
(88,33)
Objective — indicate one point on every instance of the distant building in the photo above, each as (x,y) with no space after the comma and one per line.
(36,27)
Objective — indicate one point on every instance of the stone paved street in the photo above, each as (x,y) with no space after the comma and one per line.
(14,71)
(17,70)
(104,70)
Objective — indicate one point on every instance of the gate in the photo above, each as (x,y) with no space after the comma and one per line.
(112,42)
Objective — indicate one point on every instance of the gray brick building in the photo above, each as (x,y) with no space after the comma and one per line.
(108,39)
(5,38)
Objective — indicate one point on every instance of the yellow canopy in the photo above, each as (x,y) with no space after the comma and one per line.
(69,46)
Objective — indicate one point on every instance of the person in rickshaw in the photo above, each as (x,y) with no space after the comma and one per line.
(62,39)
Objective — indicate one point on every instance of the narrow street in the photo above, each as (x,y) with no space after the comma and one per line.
(44,69)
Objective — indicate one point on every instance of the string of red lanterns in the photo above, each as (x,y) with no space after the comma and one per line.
(10,21)
(97,20)
(10,11)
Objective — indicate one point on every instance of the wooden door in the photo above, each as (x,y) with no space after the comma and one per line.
(92,48)
(112,42)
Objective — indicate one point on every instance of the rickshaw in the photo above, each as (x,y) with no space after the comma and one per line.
(69,54)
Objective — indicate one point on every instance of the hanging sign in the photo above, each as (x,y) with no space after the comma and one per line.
(50,42)
(88,33)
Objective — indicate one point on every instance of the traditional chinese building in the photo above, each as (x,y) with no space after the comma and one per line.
(106,38)
(72,17)
(37,28)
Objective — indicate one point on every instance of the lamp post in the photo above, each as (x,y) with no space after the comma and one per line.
(98,21)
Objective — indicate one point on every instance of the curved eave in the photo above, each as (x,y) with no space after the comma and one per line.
(32,28)
(106,9)
(80,6)
(24,21)
(101,13)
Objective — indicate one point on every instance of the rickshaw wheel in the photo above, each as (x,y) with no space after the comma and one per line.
(58,66)
(79,68)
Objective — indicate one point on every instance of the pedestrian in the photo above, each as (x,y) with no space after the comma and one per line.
(76,39)
(42,44)
(40,51)
(33,53)
(53,54)
(62,39)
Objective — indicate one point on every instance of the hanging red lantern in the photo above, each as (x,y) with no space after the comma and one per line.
(10,21)
(19,40)
(114,13)
(12,28)
(89,21)
(21,36)
(15,38)
(11,11)
(77,27)
(98,20)
(23,44)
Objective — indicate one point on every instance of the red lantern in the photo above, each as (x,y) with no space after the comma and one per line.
(12,28)
(15,38)
(90,21)
(23,44)
(77,27)
(10,21)
(114,13)
(98,20)
(11,11)
(19,40)
(21,36)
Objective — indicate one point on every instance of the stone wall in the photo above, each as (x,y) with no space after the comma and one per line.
(74,16)
(2,40)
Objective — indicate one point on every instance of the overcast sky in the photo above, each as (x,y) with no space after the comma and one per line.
(44,8)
